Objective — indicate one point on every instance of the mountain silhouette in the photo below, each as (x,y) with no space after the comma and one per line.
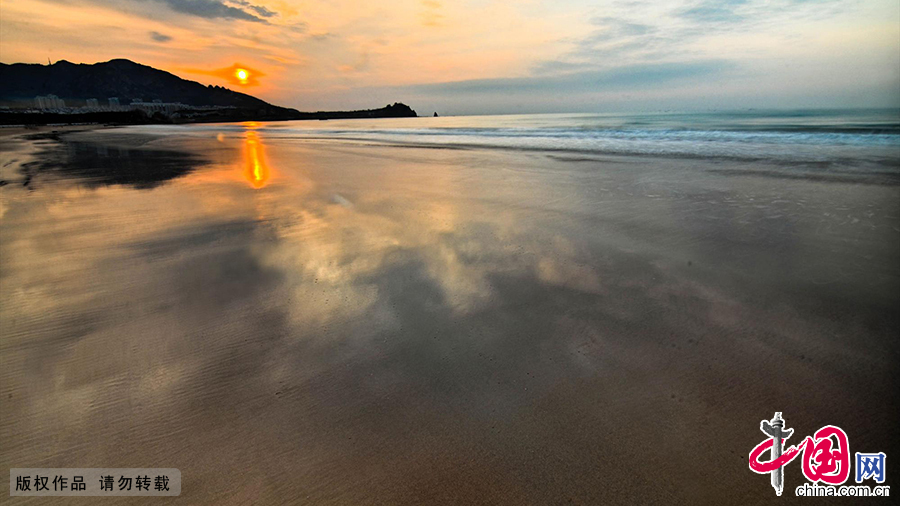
(120,78)
(127,81)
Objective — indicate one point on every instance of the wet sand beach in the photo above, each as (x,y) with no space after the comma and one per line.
(302,320)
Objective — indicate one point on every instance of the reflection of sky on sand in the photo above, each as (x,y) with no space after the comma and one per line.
(312,311)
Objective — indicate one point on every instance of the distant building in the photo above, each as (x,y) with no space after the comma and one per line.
(167,108)
(49,102)
(92,103)
(113,102)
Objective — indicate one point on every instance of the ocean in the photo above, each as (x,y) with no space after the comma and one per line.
(850,137)
(528,309)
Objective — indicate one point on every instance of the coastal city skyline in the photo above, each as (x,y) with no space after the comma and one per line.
(489,57)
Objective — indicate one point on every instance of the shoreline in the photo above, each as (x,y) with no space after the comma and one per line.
(186,116)
(8,131)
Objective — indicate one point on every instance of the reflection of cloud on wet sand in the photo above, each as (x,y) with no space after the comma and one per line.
(428,315)
(94,162)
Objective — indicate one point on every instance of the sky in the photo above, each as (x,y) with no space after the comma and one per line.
(487,56)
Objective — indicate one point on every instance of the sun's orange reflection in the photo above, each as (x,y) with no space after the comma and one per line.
(256,170)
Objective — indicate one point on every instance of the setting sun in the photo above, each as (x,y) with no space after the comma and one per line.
(237,74)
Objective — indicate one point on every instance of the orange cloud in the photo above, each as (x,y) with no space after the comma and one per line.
(431,15)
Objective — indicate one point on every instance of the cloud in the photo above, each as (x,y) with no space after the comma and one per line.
(619,78)
(160,37)
(431,15)
(614,38)
(213,9)
(207,9)
(715,11)
(262,11)
(556,67)
(613,27)
(712,14)
(676,32)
